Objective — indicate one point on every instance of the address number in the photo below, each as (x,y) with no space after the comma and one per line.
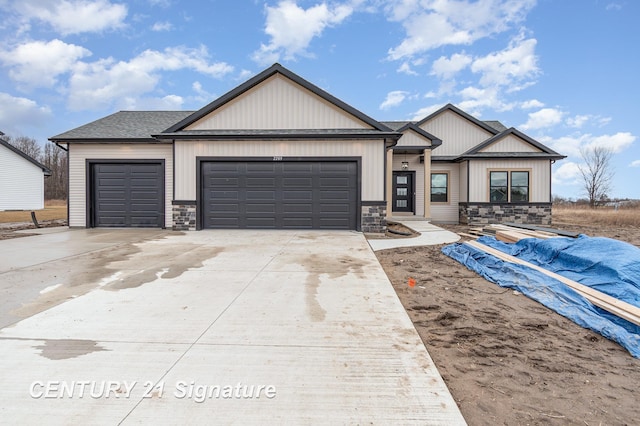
(277,158)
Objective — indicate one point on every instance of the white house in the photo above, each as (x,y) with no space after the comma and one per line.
(21,179)
(279,152)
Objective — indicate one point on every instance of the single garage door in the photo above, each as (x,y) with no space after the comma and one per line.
(127,195)
(280,194)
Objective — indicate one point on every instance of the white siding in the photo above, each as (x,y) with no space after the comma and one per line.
(278,103)
(463,181)
(510,144)
(411,138)
(447,212)
(540,178)
(418,168)
(458,134)
(21,182)
(79,153)
(371,152)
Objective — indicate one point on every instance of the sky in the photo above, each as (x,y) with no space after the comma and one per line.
(565,72)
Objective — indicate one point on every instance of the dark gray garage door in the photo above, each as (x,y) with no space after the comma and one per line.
(127,195)
(280,194)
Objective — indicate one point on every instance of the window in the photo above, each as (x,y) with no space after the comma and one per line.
(519,187)
(439,187)
(509,187)
(498,187)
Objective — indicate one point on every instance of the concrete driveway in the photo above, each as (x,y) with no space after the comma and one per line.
(136,327)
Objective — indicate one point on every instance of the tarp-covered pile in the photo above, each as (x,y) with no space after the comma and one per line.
(609,266)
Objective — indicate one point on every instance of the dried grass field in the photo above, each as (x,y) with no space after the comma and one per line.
(53,210)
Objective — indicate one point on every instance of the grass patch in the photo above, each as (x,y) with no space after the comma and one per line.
(57,210)
(629,216)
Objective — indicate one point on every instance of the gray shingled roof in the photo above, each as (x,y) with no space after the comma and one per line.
(496,125)
(124,125)
(395,125)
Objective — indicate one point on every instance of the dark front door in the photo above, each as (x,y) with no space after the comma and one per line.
(403,191)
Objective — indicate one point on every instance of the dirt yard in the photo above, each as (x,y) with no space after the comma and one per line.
(507,359)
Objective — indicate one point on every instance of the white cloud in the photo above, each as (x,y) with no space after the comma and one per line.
(446,68)
(430,24)
(169,102)
(566,174)
(424,112)
(162,26)
(39,63)
(406,69)
(580,120)
(393,99)
(531,104)
(572,144)
(292,28)
(635,163)
(546,117)
(616,143)
(74,16)
(96,85)
(514,67)
(476,99)
(17,113)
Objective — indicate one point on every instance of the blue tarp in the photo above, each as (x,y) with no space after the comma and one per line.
(607,265)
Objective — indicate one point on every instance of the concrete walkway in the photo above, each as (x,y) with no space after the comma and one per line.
(429,235)
(247,327)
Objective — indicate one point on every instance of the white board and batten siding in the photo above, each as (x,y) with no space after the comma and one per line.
(447,212)
(539,178)
(510,143)
(79,153)
(278,103)
(21,182)
(371,152)
(458,134)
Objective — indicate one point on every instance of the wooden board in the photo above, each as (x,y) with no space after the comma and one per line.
(617,307)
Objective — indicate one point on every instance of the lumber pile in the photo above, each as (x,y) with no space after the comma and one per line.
(611,304)
(512,233)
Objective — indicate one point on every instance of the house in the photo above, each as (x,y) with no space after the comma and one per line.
(21,179)
(279,152)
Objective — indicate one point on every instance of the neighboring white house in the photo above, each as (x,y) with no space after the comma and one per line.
(279,152)
(21,179)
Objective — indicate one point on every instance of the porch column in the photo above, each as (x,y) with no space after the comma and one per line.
(389,183)
(427,183)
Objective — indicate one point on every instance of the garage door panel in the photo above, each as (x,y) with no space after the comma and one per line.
(260,195)
(127,195)
(261,182)
(282,194)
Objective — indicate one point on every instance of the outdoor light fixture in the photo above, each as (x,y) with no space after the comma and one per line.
(405,165)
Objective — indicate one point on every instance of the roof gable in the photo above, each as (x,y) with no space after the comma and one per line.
(277,99)
(413,135)
(452,108)
(512,142)
(23,155)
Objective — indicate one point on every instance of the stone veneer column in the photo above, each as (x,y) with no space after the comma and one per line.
(184,215)
(374,216)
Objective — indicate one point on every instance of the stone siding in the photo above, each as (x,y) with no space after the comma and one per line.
(184,217)
(374,217)
(485,213)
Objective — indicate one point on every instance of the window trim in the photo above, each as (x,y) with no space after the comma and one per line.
(441,172)
(509,171)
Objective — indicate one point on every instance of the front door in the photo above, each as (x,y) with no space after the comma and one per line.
(403,194)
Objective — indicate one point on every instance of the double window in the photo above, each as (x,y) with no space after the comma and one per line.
(439,187)
(509,187)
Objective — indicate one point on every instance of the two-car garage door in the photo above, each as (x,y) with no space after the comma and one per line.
(279,194)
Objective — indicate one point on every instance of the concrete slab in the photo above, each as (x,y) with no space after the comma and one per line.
(225,326)
(429,235)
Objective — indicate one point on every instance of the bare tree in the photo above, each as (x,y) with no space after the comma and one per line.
(55,186)
(597,174)
(28,145)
